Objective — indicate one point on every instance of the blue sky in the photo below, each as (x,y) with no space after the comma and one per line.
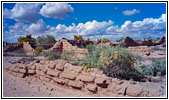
(91,20)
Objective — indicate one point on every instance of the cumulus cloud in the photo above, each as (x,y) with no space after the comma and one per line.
(56,10)
(25,12)
(153,27)
(130,12)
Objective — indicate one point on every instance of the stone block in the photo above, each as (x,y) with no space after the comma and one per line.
(68,76)
(30,71)
(53,73)
(77,85)
(16,69)
(92,87)
(60,81)
(103,80)
(134,90)
(86,78)
(22,70)
(52,66)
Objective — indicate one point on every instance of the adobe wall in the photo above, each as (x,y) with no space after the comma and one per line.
(64,45)
(92,81)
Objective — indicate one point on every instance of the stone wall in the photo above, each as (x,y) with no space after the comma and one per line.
(28,48)
(12,48)
(65,45)
(92,81)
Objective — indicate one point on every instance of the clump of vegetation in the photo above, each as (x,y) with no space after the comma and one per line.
(120,40)
(114,61)
(39,49)
(69,56)
(157,68)
(51,55)
(28,38)
(105,40)
(78,38)
(48,39)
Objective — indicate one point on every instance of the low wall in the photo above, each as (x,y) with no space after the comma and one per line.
(92,81)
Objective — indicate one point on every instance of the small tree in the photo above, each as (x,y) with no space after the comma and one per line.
(76,38)
(28,38)
(105,40)
(48,39)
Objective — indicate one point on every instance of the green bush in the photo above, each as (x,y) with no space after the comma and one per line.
(48,39)
(28,38)
(69,56)
(157,68)
(51,55)
(90,48)
(114,61)
(104,40)
(39,49)
(76,38)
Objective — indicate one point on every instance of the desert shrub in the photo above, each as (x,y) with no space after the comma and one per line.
(104,40)
(120,40)
(90,48)
(69,56)
(28,38)
(157,68)
(114,61)
(76,38)
(51,55)
(48,39)
(39,49)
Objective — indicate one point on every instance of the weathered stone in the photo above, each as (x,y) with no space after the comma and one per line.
(41,73)
(60,65)
(103,80)
(11,68)
(134,90)
(33,67)
(16,69)
(74,84)
(86,78)
(92,88)
(27,47)
(22,70)
(68,76)
(42,68)
(31,71)
(112,88)
(52,66)
(60,81)
(129,41)
(53,73)
(72,68)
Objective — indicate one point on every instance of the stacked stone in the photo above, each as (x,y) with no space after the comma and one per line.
(58,47)
(61,73)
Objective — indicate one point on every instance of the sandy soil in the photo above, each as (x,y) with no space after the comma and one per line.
(29,87)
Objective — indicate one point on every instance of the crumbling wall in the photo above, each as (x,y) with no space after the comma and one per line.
(28,48)
(64,45)
(92,81)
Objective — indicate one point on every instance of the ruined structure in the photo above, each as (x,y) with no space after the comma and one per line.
(28,48)
(69,45)
(93,81)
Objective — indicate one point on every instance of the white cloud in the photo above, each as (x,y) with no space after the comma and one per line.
(153,27)
(26,12)
(130,12)
(56,10)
